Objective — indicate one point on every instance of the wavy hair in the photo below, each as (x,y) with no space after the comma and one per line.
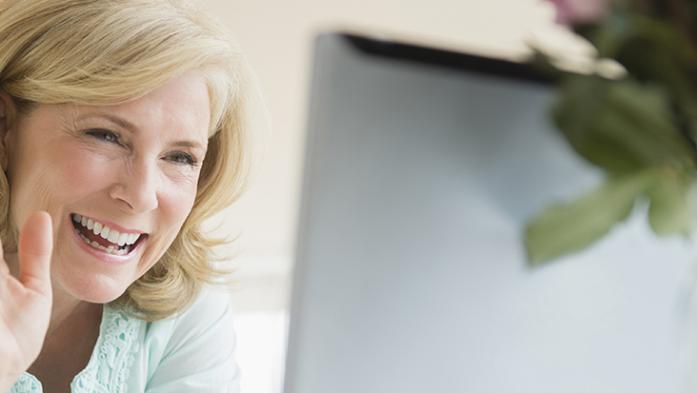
(95,52)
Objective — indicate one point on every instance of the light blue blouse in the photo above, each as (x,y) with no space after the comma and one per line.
(190,352)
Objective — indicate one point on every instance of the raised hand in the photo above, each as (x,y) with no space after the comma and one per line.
(25,302)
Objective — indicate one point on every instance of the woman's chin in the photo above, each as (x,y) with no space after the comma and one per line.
(100,298)
(94,290)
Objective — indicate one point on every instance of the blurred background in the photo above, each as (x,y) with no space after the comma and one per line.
(277,38)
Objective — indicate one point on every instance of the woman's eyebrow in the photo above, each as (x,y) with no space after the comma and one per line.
(123,123)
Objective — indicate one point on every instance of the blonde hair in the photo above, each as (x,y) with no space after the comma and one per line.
(111,51)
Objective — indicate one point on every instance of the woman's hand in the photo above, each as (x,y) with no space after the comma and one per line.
(25,303)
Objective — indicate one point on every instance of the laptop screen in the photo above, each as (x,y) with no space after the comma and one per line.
(422,168)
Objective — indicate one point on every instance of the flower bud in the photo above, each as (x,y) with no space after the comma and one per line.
(580,12)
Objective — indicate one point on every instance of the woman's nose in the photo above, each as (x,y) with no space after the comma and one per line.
(137,187)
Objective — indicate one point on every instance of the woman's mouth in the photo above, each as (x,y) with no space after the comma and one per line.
(104,238)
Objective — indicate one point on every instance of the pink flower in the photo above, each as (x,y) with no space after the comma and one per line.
(577,12)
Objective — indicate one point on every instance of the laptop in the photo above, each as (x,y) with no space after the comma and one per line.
(422,168)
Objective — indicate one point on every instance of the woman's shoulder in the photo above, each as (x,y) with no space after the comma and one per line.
(210,304)
(211,308)
(207,320)
(198,342)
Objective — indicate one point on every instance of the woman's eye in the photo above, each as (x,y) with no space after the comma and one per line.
(183,158)
(105,135)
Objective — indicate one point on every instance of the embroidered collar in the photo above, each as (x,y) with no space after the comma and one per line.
(109,366)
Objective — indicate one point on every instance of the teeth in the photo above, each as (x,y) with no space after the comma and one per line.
(110,250)
(107,233)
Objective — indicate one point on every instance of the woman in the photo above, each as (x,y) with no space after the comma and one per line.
(122,126)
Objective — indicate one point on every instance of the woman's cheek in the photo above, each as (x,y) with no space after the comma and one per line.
(80,168)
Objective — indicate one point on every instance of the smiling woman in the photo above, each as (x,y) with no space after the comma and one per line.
(123,126)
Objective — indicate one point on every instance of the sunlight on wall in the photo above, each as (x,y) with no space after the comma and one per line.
(261,339)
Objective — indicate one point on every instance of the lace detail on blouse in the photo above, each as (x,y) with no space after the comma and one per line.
(115,351)
(26,383)
(108,368)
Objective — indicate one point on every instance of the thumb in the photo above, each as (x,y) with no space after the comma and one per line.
(35,247)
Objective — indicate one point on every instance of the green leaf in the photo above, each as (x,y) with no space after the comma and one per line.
(670,212)
(565,228)
(629,36)
(620,126)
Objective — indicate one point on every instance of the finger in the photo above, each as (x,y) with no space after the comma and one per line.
(35,246)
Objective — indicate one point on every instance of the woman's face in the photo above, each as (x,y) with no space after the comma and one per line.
(132,168)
